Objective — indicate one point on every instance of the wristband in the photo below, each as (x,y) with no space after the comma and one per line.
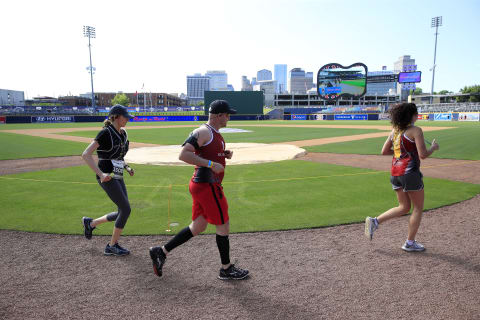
(209,164)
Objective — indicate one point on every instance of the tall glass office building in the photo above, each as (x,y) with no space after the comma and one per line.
(264,74)
(219,80)
(280,75)
(196,87)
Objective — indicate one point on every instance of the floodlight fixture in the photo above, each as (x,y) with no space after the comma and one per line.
(436,22)
(89,32)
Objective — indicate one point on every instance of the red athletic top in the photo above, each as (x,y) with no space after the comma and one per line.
(213,150)
(405,155)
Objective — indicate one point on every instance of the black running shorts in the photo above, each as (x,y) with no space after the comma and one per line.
(409,182)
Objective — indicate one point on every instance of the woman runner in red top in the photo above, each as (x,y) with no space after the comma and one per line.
(407,145)
(205,148)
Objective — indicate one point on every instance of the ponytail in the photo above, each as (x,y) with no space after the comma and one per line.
(109,121)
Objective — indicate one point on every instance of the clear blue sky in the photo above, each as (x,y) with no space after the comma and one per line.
(159,43)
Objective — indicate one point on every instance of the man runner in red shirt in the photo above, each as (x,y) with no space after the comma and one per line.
(205,148)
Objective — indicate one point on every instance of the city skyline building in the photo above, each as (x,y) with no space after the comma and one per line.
(246,85)
(218,80)
(280,75)
(264,74)
(269,88)
(11,97)
(403,63)
(300,81)
(196,87)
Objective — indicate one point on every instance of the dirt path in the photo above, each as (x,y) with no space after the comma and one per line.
(38,164)
(456,170)
(329,273)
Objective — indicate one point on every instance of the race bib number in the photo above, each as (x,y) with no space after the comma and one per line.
(118,168)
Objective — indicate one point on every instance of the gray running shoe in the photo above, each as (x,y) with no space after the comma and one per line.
(370,227)
(415,246)
(115,250)
(233,273)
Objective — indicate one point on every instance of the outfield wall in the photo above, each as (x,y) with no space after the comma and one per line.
(450,116)
(439,116)
(69,119)
(359,116)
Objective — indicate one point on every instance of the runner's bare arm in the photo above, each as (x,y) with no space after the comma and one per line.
(87,157)
(420,143)
(187,154)
(387,146)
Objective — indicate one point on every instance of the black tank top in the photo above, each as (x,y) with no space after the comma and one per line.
(113,145)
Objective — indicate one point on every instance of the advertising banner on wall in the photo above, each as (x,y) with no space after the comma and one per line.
(469,116)
(423,116)
(299,117)
(443,117)
(2,119)
(53,119)
(351,117)
(163,118)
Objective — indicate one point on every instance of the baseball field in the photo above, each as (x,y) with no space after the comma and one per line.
(296,224)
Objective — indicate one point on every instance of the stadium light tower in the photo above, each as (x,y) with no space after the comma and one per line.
(436,22)
(89,32)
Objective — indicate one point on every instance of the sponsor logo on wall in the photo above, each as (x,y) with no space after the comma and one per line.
(55,119)
(299,117)
(443,117)
(469,116)
(351,117)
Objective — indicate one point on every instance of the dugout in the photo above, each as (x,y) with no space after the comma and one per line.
(245,102)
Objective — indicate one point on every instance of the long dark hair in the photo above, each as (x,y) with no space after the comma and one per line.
(401,115)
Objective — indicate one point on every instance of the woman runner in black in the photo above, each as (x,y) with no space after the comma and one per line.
(407,145)
(111,144)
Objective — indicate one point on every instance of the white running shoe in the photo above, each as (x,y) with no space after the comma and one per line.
(370,227)
(414,247)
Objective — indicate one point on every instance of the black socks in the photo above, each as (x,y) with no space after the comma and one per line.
(224,248)
(180,238)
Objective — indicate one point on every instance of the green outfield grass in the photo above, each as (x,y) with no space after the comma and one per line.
(17,146)
(274,196)
(239,123)
(463,142)
(169,136)
(357,83)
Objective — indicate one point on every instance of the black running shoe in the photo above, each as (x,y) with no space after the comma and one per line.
(158,259)
(115,250)
(87,229)
(232,273)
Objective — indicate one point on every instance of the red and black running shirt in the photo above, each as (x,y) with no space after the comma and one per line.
(405,155)
(213,150)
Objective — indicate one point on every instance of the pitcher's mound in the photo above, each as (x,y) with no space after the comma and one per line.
(243,153)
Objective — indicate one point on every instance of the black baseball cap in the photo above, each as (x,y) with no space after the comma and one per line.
(221,106)
(118,109)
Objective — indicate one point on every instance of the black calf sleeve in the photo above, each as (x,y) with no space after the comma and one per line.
(180,238)
(112,216)
(224,248)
